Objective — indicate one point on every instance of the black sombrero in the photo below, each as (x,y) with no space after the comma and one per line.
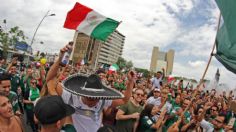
(90,86)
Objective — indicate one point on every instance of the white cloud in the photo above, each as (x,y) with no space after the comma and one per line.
(197,63)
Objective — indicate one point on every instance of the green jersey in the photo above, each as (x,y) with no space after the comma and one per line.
(15,82)
(146,124)
(14,101)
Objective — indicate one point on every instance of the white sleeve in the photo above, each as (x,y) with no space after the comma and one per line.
(108,103)
(152,80)
(207,126)
(66,96)
(149,100)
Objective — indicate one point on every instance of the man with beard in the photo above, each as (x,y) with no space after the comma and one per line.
(128,114)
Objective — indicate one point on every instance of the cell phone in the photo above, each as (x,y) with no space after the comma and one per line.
(66,57)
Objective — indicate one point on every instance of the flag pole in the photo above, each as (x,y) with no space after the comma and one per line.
(74,45)
(203,76)
(213,48)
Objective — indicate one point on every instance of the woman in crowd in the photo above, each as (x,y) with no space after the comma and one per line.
(146,122)
(31,95)
(8,121)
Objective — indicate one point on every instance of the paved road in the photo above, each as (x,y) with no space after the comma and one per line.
(27,127)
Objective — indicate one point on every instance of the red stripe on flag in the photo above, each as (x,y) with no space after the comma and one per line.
(76,16)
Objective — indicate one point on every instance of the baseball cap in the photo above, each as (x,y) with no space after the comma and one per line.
(157,89)
(50,109)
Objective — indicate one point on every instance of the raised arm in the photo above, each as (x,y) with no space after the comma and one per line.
(128,91)
(14,61)
(54,88)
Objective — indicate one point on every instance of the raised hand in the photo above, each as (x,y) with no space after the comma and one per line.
(65,49)
(131,76)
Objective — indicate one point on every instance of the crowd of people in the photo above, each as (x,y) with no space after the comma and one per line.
(67,98)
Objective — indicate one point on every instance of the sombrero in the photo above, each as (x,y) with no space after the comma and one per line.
(90,86)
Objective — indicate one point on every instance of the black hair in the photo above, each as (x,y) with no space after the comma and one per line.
(159,72)
(4,77)
(146,112)
(223,115)
(106,128)
(197,109)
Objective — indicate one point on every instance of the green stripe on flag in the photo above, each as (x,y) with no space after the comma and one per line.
(228,11)
(104,29)
(226,40)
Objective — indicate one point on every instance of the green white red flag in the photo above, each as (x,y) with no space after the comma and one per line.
(113,68)
(89,22)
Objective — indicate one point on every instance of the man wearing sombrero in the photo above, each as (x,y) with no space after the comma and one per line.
(87,94)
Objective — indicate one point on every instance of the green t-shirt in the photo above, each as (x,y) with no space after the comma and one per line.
(187,117)
(14,101)
(146,124)
(127,125)
(31,94)
(15,83)
(68,128)
(27,82)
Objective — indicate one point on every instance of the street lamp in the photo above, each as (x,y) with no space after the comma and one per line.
(32,41)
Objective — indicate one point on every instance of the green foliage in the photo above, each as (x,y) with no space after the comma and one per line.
(121,62)
(8,38)
(145,72)
(129,64)
(124,64)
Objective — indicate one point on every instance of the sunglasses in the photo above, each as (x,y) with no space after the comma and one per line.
(213,110)
(138,94)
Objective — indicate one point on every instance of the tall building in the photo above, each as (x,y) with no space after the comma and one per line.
(97,52)
(161,60)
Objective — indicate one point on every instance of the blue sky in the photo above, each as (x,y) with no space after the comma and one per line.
(187,26)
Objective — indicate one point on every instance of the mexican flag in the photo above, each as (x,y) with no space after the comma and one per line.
(89,22)
(113,68)
(225,39)
(170,78)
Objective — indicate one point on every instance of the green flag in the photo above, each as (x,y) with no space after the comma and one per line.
(226,36)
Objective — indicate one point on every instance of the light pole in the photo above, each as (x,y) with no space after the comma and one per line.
(32,41)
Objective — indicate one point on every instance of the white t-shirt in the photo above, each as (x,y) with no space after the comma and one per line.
(154,101)
(156,82)
(207,126)
(81,122)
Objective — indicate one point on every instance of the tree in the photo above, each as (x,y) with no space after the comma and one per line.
(145,72)
(121,62)
(129,65)
(8,38)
